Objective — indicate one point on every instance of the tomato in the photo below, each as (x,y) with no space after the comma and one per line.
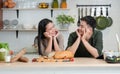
(72,59)
(34,60)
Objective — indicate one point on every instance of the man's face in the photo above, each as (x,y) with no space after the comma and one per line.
(83,26)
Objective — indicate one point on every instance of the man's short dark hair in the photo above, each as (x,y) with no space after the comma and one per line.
(90,21)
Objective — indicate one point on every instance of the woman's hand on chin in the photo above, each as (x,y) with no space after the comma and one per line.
(56,34)
(47,35)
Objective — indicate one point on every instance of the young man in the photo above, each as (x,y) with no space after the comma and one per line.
(86,41)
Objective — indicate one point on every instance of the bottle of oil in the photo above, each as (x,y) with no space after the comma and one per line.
(55,4)
(63,4)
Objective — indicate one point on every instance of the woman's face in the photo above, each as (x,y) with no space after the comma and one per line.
(83,26)
(51,29)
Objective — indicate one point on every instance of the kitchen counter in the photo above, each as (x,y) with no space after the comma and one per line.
(79,65)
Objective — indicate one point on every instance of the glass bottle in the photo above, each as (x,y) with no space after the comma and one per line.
(63,4)
(55,4)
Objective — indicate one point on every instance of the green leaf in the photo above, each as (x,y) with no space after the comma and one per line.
(65,19)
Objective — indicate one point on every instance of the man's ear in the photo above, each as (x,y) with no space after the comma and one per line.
(78,23)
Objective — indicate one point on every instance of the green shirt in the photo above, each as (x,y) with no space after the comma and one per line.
(96,41)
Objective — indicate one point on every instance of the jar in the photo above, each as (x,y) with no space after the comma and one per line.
(2,54)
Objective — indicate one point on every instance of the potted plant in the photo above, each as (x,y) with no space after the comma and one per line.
(64,20)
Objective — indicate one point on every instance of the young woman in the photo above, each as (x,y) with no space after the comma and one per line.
(86,41)
(49,38)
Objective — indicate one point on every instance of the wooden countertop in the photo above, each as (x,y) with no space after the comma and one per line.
(79,66)
(78,62)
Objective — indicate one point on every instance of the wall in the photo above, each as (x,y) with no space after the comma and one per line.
(1,26)
(26,39)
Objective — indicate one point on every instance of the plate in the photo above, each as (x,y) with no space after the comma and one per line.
(14,22)
(6,22)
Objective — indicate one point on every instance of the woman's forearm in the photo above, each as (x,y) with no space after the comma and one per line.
(49,47)
(56,46)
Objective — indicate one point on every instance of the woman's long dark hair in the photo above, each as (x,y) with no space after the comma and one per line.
(41,30)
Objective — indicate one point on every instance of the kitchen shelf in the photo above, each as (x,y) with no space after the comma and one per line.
(18,9)
(27,30)
(24,30)
(35,9)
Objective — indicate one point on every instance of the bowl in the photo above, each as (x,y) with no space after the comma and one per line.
(27,26)
(43,5)
(112,57)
